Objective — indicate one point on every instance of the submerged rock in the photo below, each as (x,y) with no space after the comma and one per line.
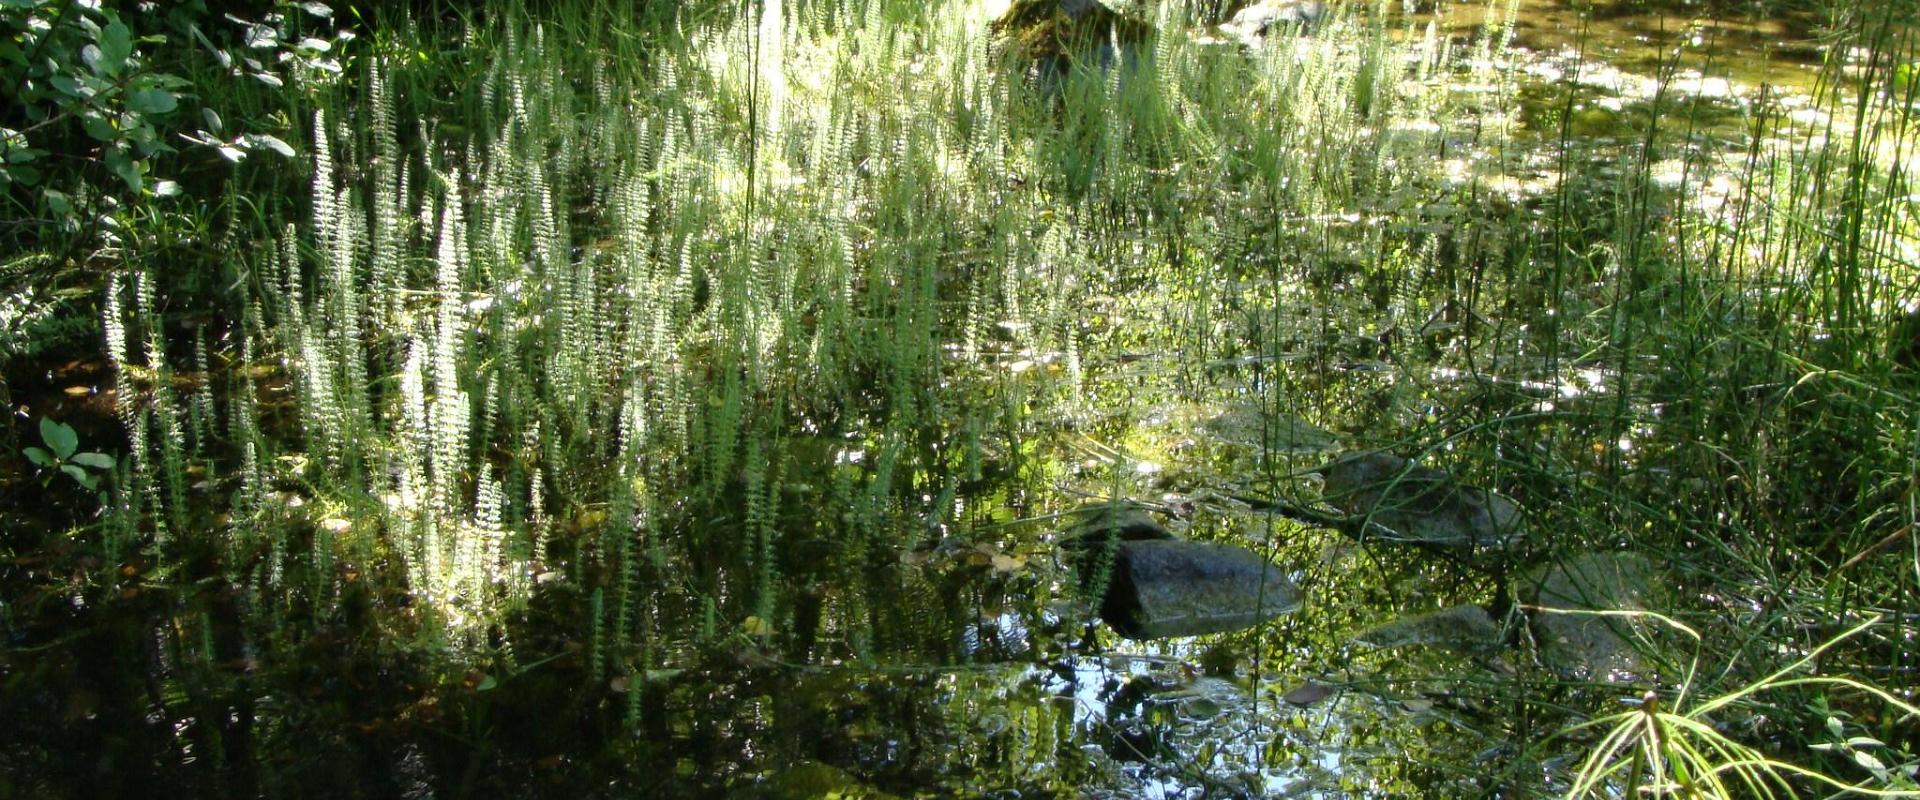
(1311,692)
(1572,638)
(1125,520)
(1160,588)
(1406,502)
(1248,424)
(1465,628)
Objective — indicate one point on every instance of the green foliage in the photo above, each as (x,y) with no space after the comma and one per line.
(62,454)
(76,66)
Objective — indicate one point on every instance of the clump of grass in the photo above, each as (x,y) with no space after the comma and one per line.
(1663,749)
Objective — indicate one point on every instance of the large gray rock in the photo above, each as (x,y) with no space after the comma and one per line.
(1568,600)
(1159,588)
(1464,628)
(1402,501)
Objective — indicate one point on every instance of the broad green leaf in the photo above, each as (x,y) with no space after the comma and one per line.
(116,46)
(145,137)
(152,101)
(94,460)
(233,154)
(24,175)
(212,118)
(82,476)
(40,457)
(92,57)
(69,86)
(98,126)
(59,436)
(271,143)
(128,169)
(166,189)
(321,10)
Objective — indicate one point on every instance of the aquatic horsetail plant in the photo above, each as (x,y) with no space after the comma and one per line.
(532,347)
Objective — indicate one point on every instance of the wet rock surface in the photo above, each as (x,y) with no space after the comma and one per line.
(1399,500)
(1152,585)
(1162,588)
(1125,520)
(1567,598)
(1466,628)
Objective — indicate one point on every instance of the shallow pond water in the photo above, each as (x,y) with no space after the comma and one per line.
(922,630)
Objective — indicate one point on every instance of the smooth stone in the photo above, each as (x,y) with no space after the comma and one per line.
(1125,520)
(1160,589)
(1406,502)
(1586,645)
(1465,628)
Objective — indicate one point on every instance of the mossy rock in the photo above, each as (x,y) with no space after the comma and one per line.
(1273,432)
(1045,29)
